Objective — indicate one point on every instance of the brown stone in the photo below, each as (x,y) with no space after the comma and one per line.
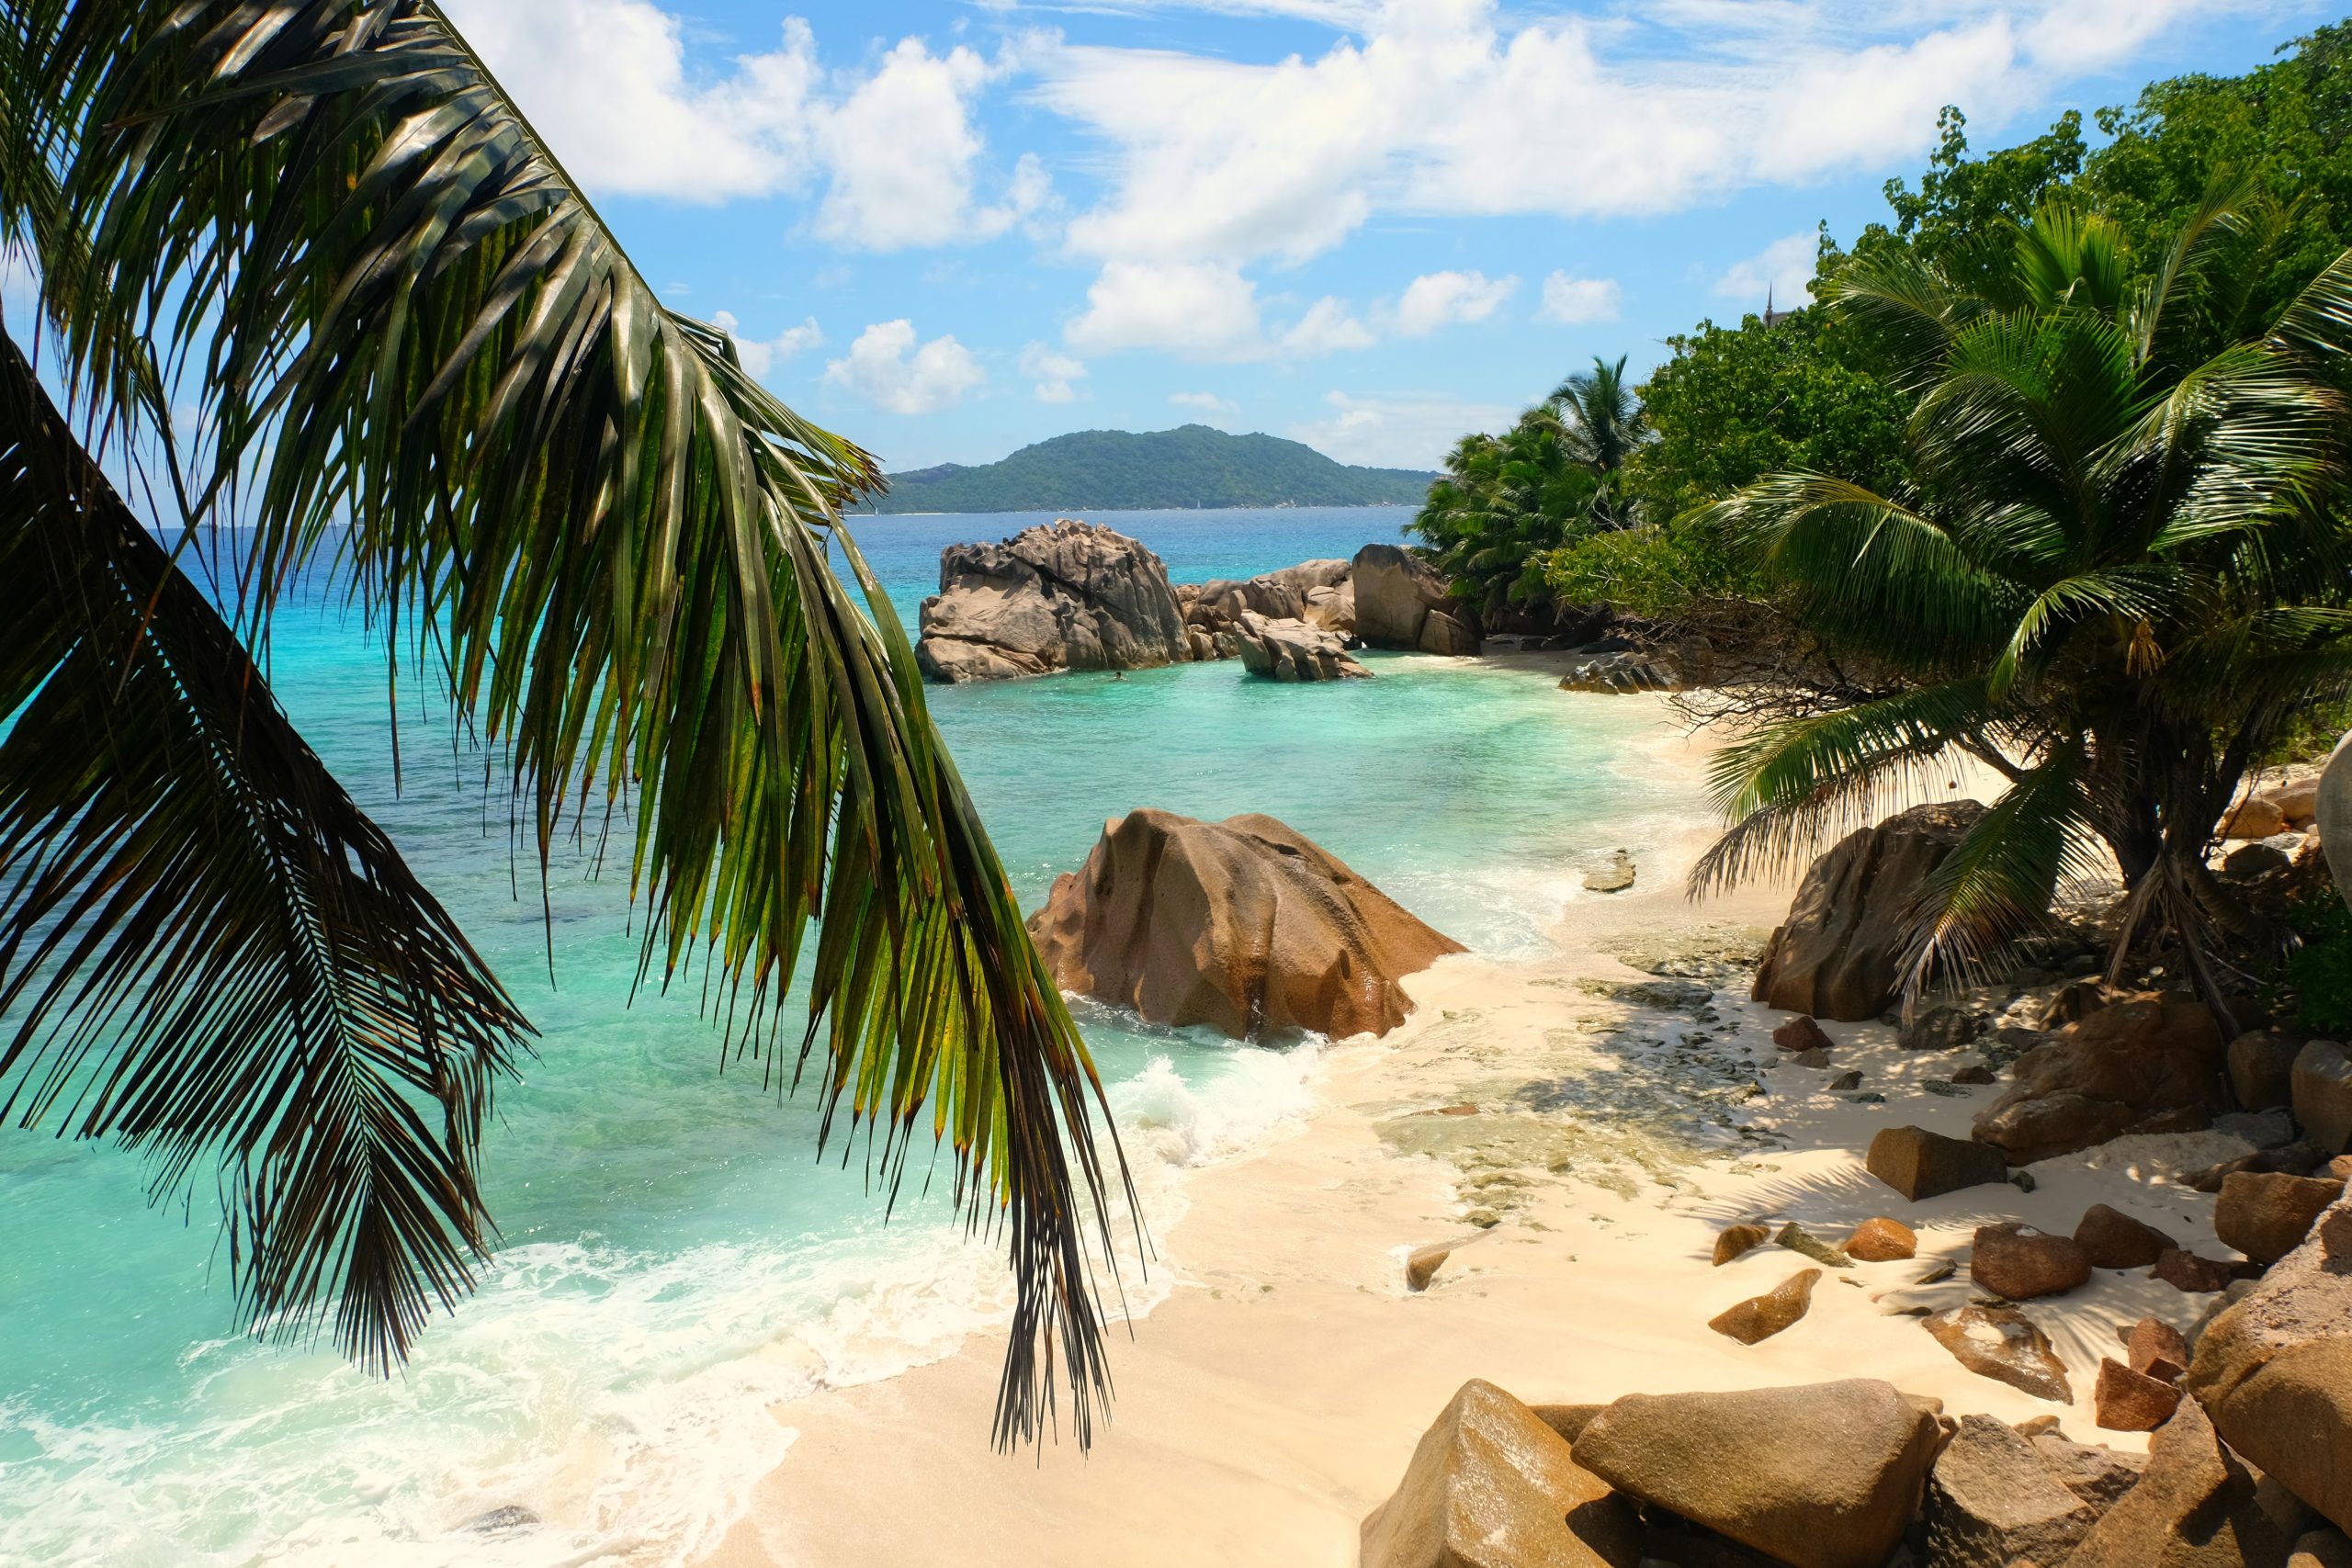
(2113,1239)
(1760,1317)
(2339,1169)
(2267,1216)
(2321,1088)
(2156,1347)
(2294,1160)
(1245,925)
(1733,1240)
(1423,1263)
(1816,1059)
(2322,1549)
(2126,1401)
(1569,1420)
(1402,602)
(1991,1500)
(1801,1033)
(1491,1486)
(2253,818)
(2093,1471)
(2262,1070)
(1823,1476)
(1840,953)
(1737,1240)
(1975,1074)
(1064,595)
(2021,1263)
(2140,1067)
(2005,1345)
(1294,650)
(2187,1271)
(1921,1164)
(2194,1507)
(1882,1240)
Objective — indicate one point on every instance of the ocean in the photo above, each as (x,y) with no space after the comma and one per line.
(672,1258)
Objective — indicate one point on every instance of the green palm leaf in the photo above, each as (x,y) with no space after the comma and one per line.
(416,341)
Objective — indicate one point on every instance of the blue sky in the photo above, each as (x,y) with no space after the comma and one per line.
(947,228)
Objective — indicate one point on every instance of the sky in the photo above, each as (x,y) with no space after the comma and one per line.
(950,228)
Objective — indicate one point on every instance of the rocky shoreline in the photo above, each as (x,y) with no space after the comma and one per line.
(1077,595)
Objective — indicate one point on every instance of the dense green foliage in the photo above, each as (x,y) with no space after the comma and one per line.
(1193,465)
(2116,573)
(2318,974)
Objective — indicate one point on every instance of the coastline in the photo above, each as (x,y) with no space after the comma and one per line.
(1274,1395)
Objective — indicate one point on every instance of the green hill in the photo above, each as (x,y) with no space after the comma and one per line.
(1108,470)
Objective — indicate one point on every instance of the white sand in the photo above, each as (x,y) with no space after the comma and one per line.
(1275,1397)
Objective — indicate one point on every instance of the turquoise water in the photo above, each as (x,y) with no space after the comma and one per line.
(673,1260)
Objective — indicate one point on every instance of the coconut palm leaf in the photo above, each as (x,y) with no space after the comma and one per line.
(414,343)
(206,949)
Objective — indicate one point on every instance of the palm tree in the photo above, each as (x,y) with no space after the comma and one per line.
(1605,426)
(1503,502)
(2120,570)
(411,344)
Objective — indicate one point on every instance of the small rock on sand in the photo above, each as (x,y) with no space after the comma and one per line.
(1733,1240)
(1798,1239)
(1921,1164)
(1882,1240)
(2005,1345)
(2187,1272)
(1615,877)
(2113,1239)
(2126,1401)
(2156,1347)
(1760,1317)
(1422,1264)
(1801,1033)
(2021,1263)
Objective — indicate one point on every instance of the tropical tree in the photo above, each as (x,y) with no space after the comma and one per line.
(1602,415)
(1503,501)
(411,348)
(2119,569)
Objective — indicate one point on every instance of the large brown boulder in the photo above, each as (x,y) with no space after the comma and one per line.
(1840,953)
(1292,651)
(2193,1507)
(1243,924)
(1825,1475)
(1401,601)
(2139,1066)
(2017,1262)
(1064,595)
(2321,1086)
(2266,1215)
(1922,1165)
(2275,1370)
(1491,1485)
(1993,1499)
(2003,1344)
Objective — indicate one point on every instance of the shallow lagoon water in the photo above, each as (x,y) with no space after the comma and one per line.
(672,1258)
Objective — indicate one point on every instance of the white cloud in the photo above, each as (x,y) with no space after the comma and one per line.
(1571,300)
(1468,108)
(1209,405)
(1782,272)
(887,368)
(1053,371)
(606,82)
(1443,299)
(1397,432)
(1326,328)
(762,354)
(1201,310)
(902,151)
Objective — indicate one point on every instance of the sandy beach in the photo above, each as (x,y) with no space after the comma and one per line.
(1582,1146)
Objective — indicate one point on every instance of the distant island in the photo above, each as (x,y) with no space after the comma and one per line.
(1106,470)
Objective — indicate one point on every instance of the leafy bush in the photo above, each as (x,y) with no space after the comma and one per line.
(2318,974)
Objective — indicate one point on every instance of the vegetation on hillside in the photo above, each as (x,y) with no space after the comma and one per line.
(2054,475)
(1112,470)
(328,229)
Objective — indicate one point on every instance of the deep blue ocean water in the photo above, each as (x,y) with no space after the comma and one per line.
(673,1260)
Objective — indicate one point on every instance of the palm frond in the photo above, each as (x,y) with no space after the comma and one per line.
(612,541)
(206,949)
